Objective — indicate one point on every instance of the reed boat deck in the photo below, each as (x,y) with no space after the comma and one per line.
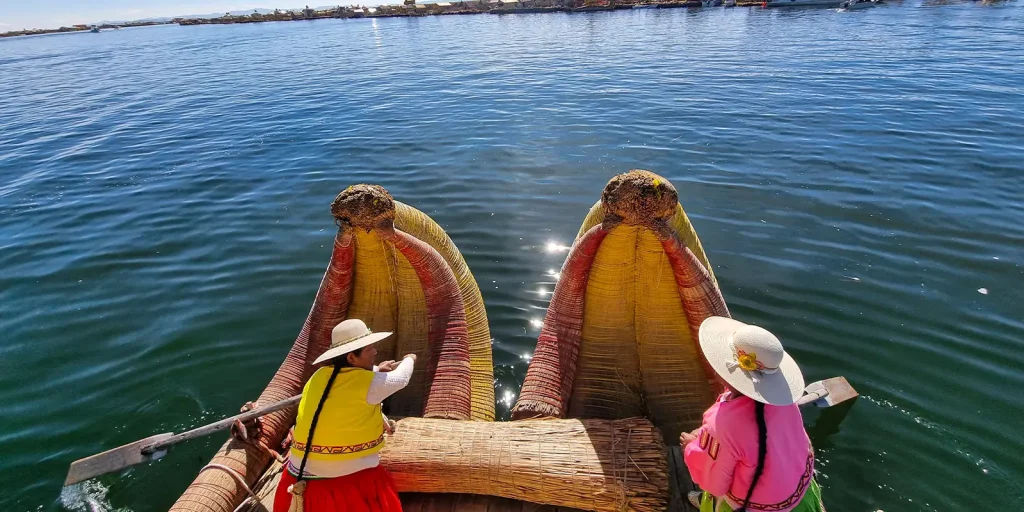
(679,484)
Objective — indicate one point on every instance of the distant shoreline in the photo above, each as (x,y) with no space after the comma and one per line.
(81,28)
(395,11)
(456,8)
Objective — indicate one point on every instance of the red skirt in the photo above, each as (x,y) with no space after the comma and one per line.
(369,490)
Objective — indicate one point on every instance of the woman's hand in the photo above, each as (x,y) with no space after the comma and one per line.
(413,356)
(686,437)
(387,366)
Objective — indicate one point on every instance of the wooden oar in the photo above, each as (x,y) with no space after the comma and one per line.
(154,447)
(825,393)
(828,392)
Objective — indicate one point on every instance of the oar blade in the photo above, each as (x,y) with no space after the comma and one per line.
(828,392)
(113,460)
(839,391)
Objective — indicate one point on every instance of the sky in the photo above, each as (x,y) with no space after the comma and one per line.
(21,14)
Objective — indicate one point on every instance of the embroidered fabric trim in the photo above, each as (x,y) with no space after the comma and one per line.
(792,500)
(341,450)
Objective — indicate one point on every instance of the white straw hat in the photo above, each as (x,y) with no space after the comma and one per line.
(350,335)
(752,360)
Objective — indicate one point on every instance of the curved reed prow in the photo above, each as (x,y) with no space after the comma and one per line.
(619,338)
(395,269)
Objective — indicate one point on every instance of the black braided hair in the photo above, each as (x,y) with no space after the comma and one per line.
(762,452)
(316,416)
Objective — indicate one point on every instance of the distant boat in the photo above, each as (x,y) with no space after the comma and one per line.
(853,5)
(94,30)
(801,3)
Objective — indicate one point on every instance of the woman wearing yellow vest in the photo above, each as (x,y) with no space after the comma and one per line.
(339,430)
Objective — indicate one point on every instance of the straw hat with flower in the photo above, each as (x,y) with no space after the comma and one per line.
(751,360)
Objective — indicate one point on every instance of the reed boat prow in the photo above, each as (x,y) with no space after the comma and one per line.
(633,292)
(633,289)
(394,268)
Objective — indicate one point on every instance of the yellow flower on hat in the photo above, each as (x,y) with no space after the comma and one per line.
(747,362)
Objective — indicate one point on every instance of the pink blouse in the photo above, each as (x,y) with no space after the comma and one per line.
(723,458)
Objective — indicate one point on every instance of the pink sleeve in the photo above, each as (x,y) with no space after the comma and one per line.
(711,463)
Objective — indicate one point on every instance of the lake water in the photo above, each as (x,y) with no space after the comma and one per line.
(856,178)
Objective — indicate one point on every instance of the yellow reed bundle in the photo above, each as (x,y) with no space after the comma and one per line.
(633,351)
(597,465)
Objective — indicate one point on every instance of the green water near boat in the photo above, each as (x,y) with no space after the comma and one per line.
(855,178)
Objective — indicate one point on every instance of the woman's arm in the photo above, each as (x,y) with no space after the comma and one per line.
(385,384)
(711,463)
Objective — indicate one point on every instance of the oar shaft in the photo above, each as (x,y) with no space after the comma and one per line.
(810,397)
(222,424)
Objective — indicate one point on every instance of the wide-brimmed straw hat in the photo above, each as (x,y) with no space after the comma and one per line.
(352,334)
(752,360)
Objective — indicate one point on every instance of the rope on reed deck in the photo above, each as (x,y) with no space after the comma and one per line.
(239,479)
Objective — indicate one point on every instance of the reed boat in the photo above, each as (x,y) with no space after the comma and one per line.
(615,377)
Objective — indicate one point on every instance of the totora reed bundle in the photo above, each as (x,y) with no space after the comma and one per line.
(599,465)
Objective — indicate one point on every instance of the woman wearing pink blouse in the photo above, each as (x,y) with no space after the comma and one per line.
(751,453)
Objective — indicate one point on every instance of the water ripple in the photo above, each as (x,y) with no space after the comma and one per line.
(855,178)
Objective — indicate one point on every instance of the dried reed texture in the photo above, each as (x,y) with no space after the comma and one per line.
(370,277)
(608,381)
(700,296)
(374,297)
(549,378)
(599,465)
(675,388)
(679,223)
(419,225)
(450,394)
(412,324)
(648,285)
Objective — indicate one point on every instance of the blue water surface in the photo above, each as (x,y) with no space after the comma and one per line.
(856,178)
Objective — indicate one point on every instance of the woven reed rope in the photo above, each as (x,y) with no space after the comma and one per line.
(549,379)
(411,329)
(374,297)
(700,296)
(419,225)
(450,394)
(599,465)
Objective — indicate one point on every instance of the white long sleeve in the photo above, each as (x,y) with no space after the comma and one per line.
(385,384)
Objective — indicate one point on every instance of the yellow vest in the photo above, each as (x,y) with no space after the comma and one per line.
(348,427)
